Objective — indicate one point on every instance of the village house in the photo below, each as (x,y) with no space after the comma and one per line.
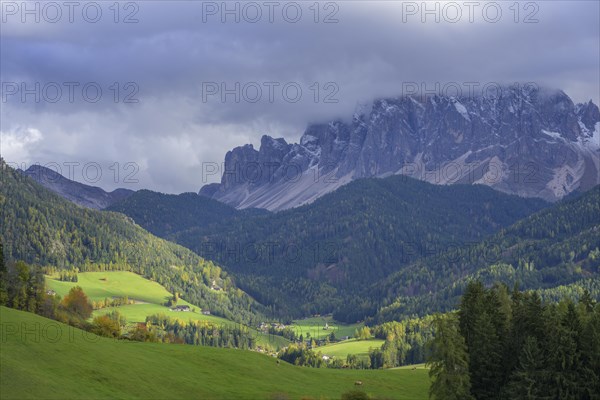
(264,326)
(181,308)
(206,312)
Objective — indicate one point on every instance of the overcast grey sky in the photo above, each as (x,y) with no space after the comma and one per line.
(162,67)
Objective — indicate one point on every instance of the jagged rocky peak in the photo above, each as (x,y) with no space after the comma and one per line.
(235,162)
(267,143)
(522,140)
(589,115)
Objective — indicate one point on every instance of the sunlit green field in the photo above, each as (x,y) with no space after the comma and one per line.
(415,366)
(139,312)
(101,285)
(61,362)
(315,325)
(150,297)
(352,346)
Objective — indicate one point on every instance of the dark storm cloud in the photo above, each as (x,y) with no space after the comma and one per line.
(171,55)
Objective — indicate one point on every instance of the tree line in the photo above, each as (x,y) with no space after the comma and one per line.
(504,344)
(162,328)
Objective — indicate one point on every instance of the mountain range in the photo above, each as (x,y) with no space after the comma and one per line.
(385,248)
(381,219)
(526,141)
(79,193)
(317,257)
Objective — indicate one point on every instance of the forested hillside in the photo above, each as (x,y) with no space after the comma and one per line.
(43,229)
(506,344)
(312,259)
(556,246)
(165,214)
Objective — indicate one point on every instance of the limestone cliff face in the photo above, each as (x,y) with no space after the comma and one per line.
(529,142)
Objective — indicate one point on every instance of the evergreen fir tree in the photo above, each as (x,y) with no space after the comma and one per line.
(529,380)
(449,361)
(3,278)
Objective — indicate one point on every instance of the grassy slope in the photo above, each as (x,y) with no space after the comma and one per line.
(358,347)
(120,284)
(101,285)
(315,325)
(139,312)
(414,366)
(79,365)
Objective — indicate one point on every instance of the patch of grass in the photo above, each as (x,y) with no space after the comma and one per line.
(151,295)
(100,285)
(352,346)
(61,362)
(414,366)
(315,325)
(139,312)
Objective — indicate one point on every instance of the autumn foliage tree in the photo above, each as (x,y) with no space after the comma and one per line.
(77,303)
(108,325)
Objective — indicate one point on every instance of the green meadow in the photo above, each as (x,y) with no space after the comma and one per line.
(149,296)
(44,359)
(315,326)
(100,285)
(139,312)
(414,366)
(351,346)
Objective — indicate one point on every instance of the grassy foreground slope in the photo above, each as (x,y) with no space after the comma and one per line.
(63,362)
